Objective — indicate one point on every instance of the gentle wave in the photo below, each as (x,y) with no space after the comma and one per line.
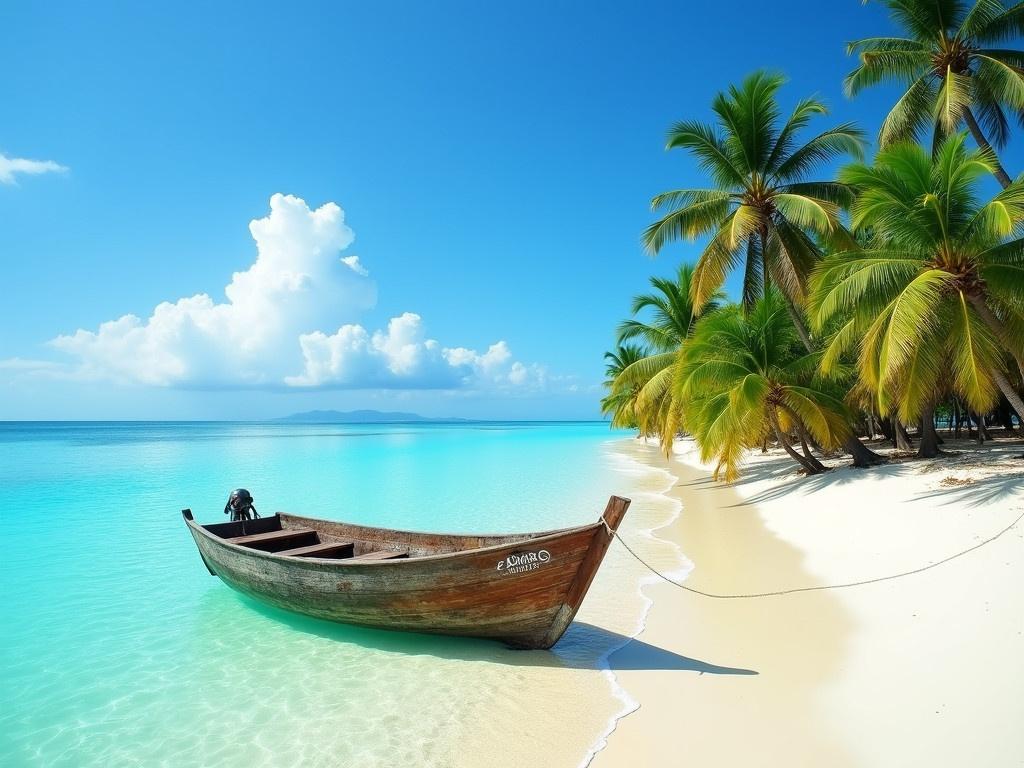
(630,464)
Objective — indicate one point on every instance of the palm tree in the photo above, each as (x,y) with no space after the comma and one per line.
(646,382)
(936,300)
(951,74)
(743,376)
(761,209)
(620,403)
(673,312)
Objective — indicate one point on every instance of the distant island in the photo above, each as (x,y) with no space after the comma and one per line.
(361,417)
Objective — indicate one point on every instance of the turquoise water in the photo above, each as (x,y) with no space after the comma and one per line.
(118,648)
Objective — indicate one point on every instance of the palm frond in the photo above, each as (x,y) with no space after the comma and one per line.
(686,223)
(982,16)
(807,213)
(712,155)
(1006,26)
(845,139)
(714,264)
(973,357)
(954,99)
(798,120)
(912,111)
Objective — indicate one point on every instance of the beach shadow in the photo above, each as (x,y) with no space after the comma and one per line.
(582,646)
(958,454)
(780,469)
(638,655)
(979,493)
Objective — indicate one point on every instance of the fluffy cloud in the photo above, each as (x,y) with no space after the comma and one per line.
(267,331)
(296,283)
(403,357)
(10,167)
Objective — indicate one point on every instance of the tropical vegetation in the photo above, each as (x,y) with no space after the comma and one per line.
(639,377)
(954,68)
(934,304)
(743,376)
(874,295)
(762,211)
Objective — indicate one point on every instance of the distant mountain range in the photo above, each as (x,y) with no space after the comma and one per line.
(361,417)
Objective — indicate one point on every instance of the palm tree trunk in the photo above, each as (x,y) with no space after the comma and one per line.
(788,448)
(929,447)
(862,455)
(1009,394)
(803,443)
(900,437)
(999,172)
(802,431)
(798,323)
(805,437)
(989,318)
(981,428)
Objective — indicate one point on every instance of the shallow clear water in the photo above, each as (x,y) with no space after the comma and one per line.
(118,648)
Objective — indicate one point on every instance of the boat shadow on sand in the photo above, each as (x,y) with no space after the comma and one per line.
(582,646)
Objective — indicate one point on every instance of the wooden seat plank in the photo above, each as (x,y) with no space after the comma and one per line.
(332,549)
(383,554)
(271,536)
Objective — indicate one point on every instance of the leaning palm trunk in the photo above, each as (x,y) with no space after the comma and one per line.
(998,171)
(862,456)
(812,468)
(1009,393)
(798,323)
(805,437)
(998,328)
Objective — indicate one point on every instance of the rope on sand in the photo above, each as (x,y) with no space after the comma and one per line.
(794,590)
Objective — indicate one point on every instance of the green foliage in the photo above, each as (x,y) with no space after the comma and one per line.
(640,379)
(937,299)
(921,294)
(949,62)
(672,312)
(744,372)
(763,205)
(619,403)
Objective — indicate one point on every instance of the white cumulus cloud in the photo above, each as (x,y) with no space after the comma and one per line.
(403,357)
(269,329)
(297,283)
(10,167)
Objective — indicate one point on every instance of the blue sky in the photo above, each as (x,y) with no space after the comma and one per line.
(495,165)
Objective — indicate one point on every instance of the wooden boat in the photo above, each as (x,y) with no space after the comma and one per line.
(523,589)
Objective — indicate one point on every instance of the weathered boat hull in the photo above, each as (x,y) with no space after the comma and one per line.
(520,589)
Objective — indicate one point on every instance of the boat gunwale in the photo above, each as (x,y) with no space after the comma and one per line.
(348,562)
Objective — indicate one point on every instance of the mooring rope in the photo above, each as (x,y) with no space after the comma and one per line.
(794,590)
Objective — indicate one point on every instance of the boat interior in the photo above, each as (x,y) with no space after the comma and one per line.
(295,536)
(267,534)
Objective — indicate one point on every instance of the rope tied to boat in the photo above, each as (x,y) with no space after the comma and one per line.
(819,588)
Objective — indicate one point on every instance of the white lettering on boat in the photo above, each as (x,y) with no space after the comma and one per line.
(519,562)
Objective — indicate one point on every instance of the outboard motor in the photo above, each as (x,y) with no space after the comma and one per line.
(240,506)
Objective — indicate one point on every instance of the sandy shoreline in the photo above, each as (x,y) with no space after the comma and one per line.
(922,670)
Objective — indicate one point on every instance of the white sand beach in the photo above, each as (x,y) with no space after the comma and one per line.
(923,670)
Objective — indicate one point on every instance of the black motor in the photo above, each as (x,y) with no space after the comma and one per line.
(240,506)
